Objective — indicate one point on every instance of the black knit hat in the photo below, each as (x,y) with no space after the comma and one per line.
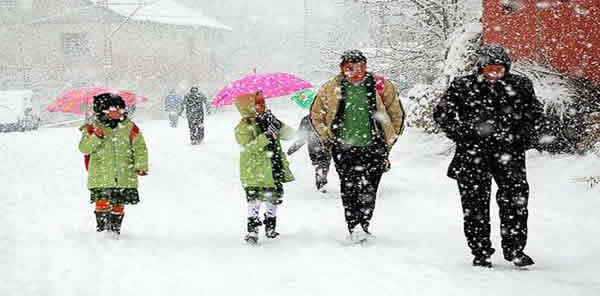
(106,100)
(493,55)
(353,56)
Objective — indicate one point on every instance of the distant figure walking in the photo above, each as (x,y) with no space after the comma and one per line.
(173,107)
(194,104)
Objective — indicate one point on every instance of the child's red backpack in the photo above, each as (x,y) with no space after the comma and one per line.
(90,130)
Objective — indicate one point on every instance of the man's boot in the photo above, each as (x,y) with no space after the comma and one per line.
(483,258)
(252,236)
(519,259)
(116,219)
(270,224)
(101,220)
(482,261)
(321,177)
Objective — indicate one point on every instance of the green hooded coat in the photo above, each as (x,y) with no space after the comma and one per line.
(255,164)
(115,158)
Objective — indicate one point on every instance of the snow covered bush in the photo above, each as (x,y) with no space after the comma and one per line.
(570,124)
(459,60)
(421,102)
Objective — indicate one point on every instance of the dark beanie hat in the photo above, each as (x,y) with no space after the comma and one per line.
(106,100)
(353,56)
(493,54)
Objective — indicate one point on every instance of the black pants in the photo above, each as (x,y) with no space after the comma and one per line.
(512,198)
(321,172)
(196,125)
(360,170)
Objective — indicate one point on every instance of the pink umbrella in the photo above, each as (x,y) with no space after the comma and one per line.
(77,100)
(272,85)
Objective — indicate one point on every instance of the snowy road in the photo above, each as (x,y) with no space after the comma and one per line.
(185,238)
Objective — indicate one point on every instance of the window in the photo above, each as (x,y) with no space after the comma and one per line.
(8,3)
(511,6)
(75,45)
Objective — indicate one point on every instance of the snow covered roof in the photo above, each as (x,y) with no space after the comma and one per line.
(165,12)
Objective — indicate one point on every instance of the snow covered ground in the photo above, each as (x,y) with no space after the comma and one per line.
(185,237)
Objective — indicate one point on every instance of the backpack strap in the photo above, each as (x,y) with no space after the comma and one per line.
(135,130)
(86,158)
(89,128)
(379,85)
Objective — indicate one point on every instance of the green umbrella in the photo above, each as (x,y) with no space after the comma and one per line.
(304,98)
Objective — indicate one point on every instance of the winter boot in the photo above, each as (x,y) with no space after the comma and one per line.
(482,261)
(252,236)
(359,236)
(519,259)
(321,178)
(365,227)
(101,220)
(483,258)
(116,219)
(270,223)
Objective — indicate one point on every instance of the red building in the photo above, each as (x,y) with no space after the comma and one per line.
(564,34)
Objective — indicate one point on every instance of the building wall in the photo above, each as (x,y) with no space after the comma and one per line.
(570,37)
(515,30)
(561,33)
(147,58)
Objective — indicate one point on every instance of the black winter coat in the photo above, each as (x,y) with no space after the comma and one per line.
(488,121)
(194,105)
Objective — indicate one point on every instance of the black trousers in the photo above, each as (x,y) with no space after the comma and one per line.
(512,198)
(196,125)
(360,170)
(321,172)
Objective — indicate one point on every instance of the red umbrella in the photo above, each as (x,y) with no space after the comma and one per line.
(77,100)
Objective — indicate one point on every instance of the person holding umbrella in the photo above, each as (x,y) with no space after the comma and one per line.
(358,116)
(263,166)
(116,154)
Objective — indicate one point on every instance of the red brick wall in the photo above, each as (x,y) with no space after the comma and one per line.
(567,38)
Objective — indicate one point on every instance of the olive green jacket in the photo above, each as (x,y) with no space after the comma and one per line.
(115,158)
(255,164)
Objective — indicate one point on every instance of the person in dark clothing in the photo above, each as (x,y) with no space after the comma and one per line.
(492,117)
(194,104)
(319,155)
(359,117)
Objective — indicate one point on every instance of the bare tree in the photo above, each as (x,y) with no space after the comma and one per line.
(408,37)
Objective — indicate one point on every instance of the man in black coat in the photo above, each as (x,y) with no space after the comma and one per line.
(491,116)
(194,103)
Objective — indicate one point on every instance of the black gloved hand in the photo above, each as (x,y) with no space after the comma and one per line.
(463,133)
(273,120)
(262,122)
(272,133)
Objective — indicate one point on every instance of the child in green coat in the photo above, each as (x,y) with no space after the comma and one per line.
(263,166)
(115,154)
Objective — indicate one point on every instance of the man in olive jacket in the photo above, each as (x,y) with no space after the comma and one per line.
(491,115)
(358,116)
(263,165)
